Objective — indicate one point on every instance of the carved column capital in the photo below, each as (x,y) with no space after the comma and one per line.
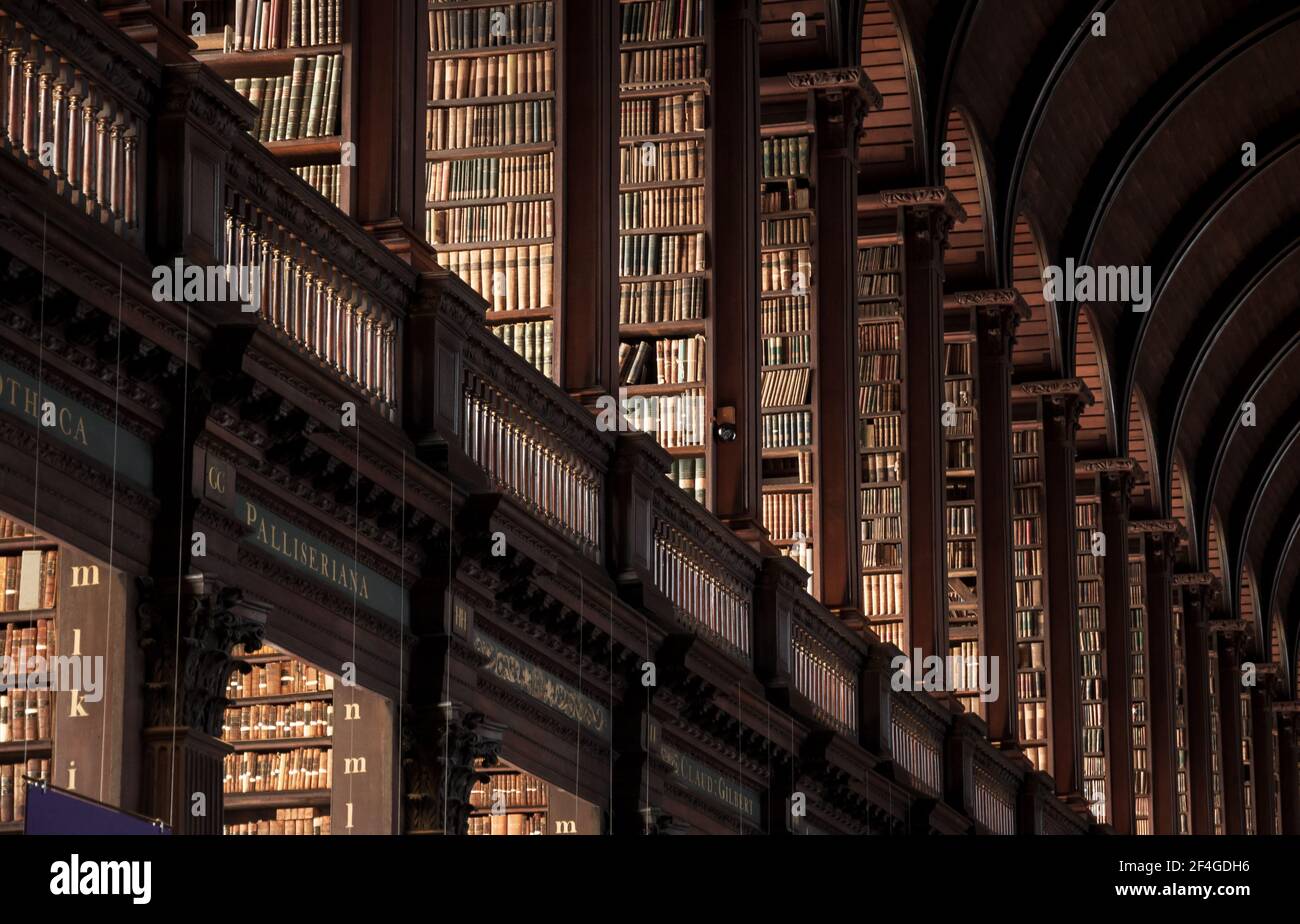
(442,747)
(934,209)
(187,671)
(844,96)
(998,312)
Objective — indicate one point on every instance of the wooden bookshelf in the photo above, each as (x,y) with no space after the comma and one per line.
(961,514)
(1247,758)
(507,801)
(1216,740)
(491,139)
(1182,770)
(1139,702)
(788,347)
(1028,561)
(881,432)
(665,228)
(280,723)
(292,59)
(1090,599)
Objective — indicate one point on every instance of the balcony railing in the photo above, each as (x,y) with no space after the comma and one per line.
(75,108)
(827,679)
(916,735)
(995,789)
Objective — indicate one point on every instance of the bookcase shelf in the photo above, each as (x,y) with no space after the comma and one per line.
(1247,758)
(507,801)
(292,59)
(1028,554)
(491,153)
(666,221)
(881,430)
(961,532)
(1090,598)
(40,747)
(259,706)
(1182,779)
(1138,698)
(1216,738)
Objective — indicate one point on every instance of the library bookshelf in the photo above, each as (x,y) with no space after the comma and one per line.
(492,130)
(280,724)
(292,60)
(1090,597)
(1216,740)
(1247,758)
(507,800)
(880,370)
(1028,562)
(28,568)
(666,167)
(961,511)
(1138,693)
(1182,770)
(789,341)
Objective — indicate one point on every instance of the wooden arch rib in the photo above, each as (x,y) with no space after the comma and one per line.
(1037,353)
(969,259)
(889,149)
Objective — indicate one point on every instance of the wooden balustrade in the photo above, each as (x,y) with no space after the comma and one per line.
(826,678)
(916,737)
(531,462)
(996,788)
(74,95)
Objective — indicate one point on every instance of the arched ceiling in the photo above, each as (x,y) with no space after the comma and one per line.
(1127,150)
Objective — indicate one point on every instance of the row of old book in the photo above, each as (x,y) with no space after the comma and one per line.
(492,75)
(488,224)
(324,178)
(959,447)
(785,387)
(661,208)
(507,823)
(13,787)
(885,398)
(786,157)
(509,790)
(878,467)
(787,429)
(882,502)
(1028,598)
(657,20)
(661,115)
(661,65)
(882,594)
(878,367)
(1026,531)
(29,580)
(787,515)
(24,713)
(959,555)
(880,552)
(880,433)
(272,722)
(879,259)
(533,340)
(288,821)
(660,161)
(662,254)
(690,476)
(784,351)
(774,232)
(491,27)
(661,300)
(783,196)
(1026,500)
(12,529)
(778,270)
(675,421)
(784,313)
(1027,562)
(508,278)
(302,104)
(490,177)
(677,360)
(276,678)
(259,25)
(292,770)
(490,125)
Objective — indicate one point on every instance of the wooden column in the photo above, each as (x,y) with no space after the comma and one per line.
(735,472)
(1116,497)
(587,199)
(1229,642)
(1197,590)
(388,177)
(1288,772)
(925,217)
(1162,542)
(841,98)
(999,313)
(1063,403)
(1261,722)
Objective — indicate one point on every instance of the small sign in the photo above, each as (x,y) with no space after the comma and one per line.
(53,811)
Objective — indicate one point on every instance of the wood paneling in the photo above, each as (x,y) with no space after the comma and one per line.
(1037,352)
(966,261)
(1094,427)
(888,146)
